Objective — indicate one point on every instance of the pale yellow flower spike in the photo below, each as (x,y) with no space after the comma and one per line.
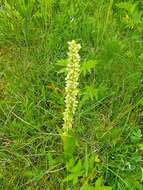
(71,89)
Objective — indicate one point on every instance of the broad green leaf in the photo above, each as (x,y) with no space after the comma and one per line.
(99,185)
(70,164)
(87,67)
(76,172)
(89,93)
(77,168)
(62,62)
(87,187)
(69,146)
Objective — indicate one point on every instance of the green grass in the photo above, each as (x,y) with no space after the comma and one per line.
(107,146)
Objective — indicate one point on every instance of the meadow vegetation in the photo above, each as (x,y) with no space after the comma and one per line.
(104,149)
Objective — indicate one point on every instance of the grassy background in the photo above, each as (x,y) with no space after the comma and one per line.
(109,119)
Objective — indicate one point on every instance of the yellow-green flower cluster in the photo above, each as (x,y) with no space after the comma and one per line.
(71,89)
